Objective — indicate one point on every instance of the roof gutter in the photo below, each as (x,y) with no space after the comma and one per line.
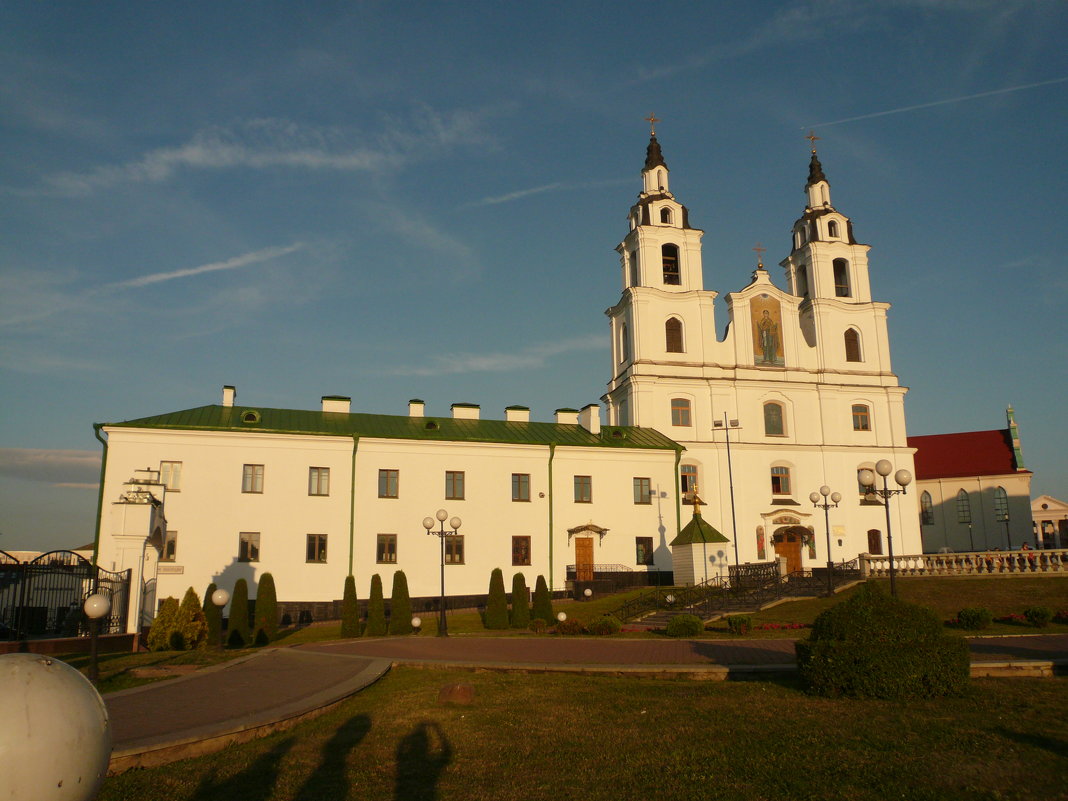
(352,499)
(552,455)
(100,490)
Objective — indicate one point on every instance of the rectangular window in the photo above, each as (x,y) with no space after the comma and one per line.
(520,550)
(861,417)
(454,549)
(252,478)
(583,489)
(248,546)
(680,412)
(388,483)
(317,548)
(643,550)
(170,475)
(386,553)
(520,486)
(170,547)
(688,478)
(318,480)
(454,485)
(780,481)
(643,490)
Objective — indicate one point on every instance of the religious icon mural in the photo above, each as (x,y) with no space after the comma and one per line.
(766,315)
(761,549)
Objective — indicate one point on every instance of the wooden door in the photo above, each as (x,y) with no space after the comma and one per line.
(788,544)
(584,558)
(875,541)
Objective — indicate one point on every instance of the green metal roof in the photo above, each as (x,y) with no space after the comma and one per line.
(385,426)
(698,530)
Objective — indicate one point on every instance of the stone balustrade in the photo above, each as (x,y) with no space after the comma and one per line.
(977,563)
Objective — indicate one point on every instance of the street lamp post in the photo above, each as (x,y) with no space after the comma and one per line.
(220,598)
(442,533)
(835,499)
(95,607)
(727,426)
(903,478)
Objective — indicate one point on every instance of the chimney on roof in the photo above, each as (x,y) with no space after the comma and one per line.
(517,414)
(465,411)
(336,403)
(567,417)
(415,407)
(590,418)
(229,393)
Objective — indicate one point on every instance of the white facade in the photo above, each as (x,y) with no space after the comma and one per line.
(1051,521)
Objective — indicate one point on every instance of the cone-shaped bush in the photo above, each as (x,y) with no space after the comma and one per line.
(266,610)
(376,610)
(520,602)
(543,603)
(159,634)
(240,636)
(497,602)
(213,616)
(400,608)
(350,610)
(190,627)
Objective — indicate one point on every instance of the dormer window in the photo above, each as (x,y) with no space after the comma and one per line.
(670,256)
(665,216)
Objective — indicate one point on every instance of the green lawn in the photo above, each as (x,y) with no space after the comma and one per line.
(572,737)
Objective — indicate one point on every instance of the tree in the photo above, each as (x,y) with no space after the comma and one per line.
(239,627)
(497,602)
(213,616)
(376,610)
(159,634)
(520,602)
(350,610)
(543,602)
(190,626)
(266,626)
(400,607)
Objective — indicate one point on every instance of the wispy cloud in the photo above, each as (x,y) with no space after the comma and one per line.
(60,468)
(530,358)
(934,103)
(229,264)
(537,190)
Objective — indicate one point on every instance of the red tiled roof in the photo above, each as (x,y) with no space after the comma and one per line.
(971,453)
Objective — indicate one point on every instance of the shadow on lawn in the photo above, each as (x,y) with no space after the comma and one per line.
(1051,744)
(421,757)
(1035,646)
(256,781)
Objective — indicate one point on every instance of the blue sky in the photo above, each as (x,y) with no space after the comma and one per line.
(397,200)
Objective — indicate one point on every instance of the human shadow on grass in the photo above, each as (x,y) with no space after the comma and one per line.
(1051,744)
(421,757)
(255,781)
(330,780)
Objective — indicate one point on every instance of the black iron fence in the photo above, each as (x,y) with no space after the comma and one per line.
(43,597)
(614,578)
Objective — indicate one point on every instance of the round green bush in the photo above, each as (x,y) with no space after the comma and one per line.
(974,618)
(606,625)
(739,624)
(1038,616)
(570,626)
(685,626)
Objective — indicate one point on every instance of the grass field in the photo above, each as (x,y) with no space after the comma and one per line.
(572,737)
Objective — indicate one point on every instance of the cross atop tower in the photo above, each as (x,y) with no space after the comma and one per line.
(812,140)
(652,120)
(760,251)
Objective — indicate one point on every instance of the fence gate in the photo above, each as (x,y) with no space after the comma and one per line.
(43,597)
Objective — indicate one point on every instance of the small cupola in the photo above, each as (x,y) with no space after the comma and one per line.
(655,171)
(817,187)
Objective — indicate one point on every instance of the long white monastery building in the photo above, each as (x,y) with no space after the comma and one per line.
(799,393)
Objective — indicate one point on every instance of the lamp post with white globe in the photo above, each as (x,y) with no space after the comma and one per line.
(220,598)
(442,533)
(95,607)
(835,499)
(903,479)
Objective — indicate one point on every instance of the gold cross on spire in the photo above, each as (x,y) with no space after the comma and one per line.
(760,250)
(812,140)
(652,120)
(696,501)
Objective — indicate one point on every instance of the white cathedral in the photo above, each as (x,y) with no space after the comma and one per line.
(798,394)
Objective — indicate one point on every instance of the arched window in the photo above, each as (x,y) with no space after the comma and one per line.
(773,420)
(964,507)
(1001,505)
(926,510)
(670,256)
(841,278)
(624,343)
(852,345)
(680,412)
(801,281)
(665,215)
(660,179)
(780,481)
(635,276)
(832,229)
(688,478)
(861,417)
(673,335)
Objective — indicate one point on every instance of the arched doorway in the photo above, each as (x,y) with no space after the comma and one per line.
(787,541)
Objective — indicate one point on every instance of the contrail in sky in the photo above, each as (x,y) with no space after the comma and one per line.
(937,103)
(229,264)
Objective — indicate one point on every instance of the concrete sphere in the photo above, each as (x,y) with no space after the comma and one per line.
(55,738)
(417,622)
(220,597)
(561,616)
(96,606)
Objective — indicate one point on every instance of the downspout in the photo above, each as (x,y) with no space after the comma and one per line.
(352,499)
(678,491)
(100,491)
(552,454)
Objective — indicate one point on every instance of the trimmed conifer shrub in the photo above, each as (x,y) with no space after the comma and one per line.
(520,618)
(213,616)
(350,610)
(684,626)
(240,631)
(606,625)
(190,627)
(400,606)
(974,618)
(376,610)
(497,602)
(873,645)
(159,633)
(739,624)
(543,603)
(266,624)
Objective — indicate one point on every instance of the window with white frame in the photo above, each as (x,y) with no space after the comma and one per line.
(170,476)
(688,478)
(318,480)
(780,480)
